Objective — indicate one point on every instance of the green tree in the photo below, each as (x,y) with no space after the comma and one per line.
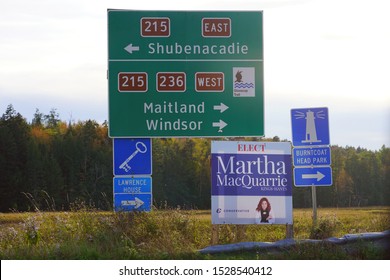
(52,119)
(38,119)
(14,142)
(384,156)
(55,164)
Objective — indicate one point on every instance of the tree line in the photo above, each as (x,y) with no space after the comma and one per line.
(50,164)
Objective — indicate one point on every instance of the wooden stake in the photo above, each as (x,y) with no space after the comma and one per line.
(214,234)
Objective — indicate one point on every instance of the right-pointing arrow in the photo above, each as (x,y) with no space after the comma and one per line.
(221,124)
(317,176)
(136,203)
(222,107)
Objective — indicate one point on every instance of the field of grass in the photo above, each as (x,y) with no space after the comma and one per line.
(177,234)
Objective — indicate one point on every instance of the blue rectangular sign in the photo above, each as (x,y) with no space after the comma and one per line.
(251,174)
(132,185)
(310,126)
(132,202)
(313,176)
(311,156)
(132,193)
(132,156)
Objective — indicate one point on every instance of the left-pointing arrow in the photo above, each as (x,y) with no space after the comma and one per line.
(317,176)
(130,48)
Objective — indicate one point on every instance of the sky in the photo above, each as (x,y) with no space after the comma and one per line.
(317,53)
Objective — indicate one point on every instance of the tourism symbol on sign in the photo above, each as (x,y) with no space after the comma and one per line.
(310,126)
(132,156)
(139,148)
(244,82)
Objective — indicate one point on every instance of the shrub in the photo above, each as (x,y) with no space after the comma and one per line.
(325,228)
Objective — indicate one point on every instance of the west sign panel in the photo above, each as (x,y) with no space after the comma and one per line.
(183,74)
(251,182)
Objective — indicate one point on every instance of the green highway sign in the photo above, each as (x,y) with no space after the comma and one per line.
(185,74)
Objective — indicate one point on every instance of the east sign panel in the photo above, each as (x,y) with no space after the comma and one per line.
(251,182)
(185,74)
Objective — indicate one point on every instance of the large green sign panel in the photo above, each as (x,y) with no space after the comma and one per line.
(185,74)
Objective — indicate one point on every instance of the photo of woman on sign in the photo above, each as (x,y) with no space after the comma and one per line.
(263,211)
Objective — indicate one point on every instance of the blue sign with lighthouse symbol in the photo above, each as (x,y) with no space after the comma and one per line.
(310,127)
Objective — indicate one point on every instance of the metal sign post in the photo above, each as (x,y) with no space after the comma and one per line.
(314,202)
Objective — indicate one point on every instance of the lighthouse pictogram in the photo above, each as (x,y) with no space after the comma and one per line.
(311,133)
(311,129)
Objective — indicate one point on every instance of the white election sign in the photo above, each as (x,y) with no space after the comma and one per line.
(251,182)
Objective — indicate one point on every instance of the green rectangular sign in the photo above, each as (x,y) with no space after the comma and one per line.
(185,74)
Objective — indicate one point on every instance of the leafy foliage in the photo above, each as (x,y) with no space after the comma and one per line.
(50,164)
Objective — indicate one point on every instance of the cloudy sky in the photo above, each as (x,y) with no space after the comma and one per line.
(317,53)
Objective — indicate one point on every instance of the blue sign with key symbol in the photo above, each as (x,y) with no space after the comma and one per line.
(132,156)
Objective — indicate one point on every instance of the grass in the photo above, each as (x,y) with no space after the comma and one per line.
(177,234)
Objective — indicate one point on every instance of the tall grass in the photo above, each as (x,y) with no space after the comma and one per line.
(86,233)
